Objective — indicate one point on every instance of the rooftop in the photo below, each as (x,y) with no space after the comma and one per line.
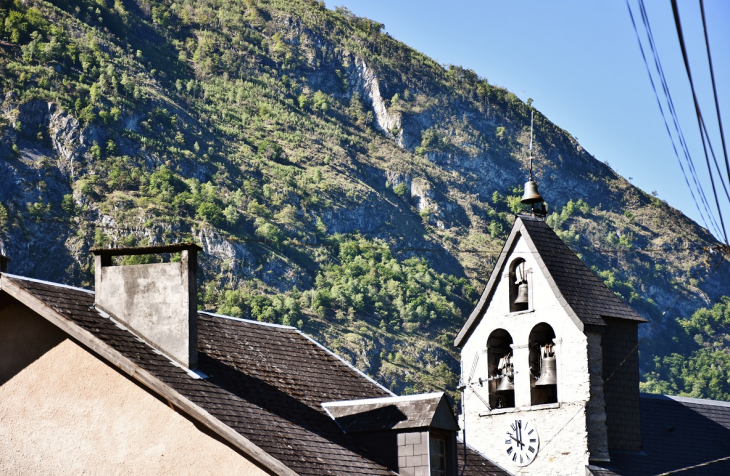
(677,433)
(262,385)
(409,411)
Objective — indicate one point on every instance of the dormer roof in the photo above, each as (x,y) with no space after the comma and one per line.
(585,298)
(430,410)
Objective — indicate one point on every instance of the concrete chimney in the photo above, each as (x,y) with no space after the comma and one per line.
(158,301)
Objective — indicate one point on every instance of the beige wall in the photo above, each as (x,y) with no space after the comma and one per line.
(563,425)
(67,412)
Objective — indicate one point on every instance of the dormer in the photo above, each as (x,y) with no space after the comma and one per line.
(412,434)
(537,347)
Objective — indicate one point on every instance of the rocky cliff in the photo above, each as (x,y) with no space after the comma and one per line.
(337,179)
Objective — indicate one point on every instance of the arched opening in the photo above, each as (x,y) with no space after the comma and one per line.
(501,370)
(543,365)
(519,291)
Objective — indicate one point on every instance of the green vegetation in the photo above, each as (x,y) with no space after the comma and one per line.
(245,124)
(698,364)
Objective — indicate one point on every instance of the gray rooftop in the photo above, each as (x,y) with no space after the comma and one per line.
(393,413)
(677,433)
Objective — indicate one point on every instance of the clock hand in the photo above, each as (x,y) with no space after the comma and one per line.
(519,430)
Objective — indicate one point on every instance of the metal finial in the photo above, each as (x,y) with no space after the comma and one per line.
(531,113)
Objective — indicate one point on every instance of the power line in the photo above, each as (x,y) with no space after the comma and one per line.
(686,468)
(714,89)
(664,118)
(673,112)
(698,112)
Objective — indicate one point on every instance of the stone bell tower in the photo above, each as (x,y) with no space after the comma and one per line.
(544,388)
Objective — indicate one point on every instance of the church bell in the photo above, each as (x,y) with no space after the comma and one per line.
(505,385)
(521,294)
(505,368)
(531,194)
(548,366)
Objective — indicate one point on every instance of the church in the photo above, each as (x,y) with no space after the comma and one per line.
(550,373)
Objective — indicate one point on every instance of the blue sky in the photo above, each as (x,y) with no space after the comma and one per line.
(580,62)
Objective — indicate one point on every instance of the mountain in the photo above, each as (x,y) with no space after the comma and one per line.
(337,179)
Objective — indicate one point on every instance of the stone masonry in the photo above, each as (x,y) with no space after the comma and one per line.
(413,453)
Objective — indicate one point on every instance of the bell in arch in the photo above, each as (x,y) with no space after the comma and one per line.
(522,290)
(505,368)
(505,385)
(531,194)
(548,366)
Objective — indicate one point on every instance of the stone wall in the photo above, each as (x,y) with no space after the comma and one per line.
(413,453)
(64,411)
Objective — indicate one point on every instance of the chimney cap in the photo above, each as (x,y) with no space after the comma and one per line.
(144,250)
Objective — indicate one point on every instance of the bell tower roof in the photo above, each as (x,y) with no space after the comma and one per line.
(581,293)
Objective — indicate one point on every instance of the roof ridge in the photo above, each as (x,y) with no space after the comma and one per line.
(247,321)
(401,398)
(696,401)
(48,283)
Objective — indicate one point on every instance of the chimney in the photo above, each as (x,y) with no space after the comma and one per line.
(158,301)
(4,260)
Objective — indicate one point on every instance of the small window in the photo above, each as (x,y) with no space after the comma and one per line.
(438,456)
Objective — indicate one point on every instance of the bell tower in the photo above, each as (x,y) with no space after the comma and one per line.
(535,351)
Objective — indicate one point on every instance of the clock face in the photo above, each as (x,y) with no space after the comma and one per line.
(521,442)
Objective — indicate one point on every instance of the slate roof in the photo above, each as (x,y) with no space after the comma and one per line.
(583,295)
(412,411)
(677,433)
(476,464)
(265,382)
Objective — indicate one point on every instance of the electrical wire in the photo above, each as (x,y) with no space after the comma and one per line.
(698,112)
(677,127)
(673,112)
(714,88)
(686,468)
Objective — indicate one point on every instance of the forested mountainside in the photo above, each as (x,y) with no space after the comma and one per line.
(338,180)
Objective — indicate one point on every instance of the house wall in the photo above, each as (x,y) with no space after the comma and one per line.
(562,427)
(64,411)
